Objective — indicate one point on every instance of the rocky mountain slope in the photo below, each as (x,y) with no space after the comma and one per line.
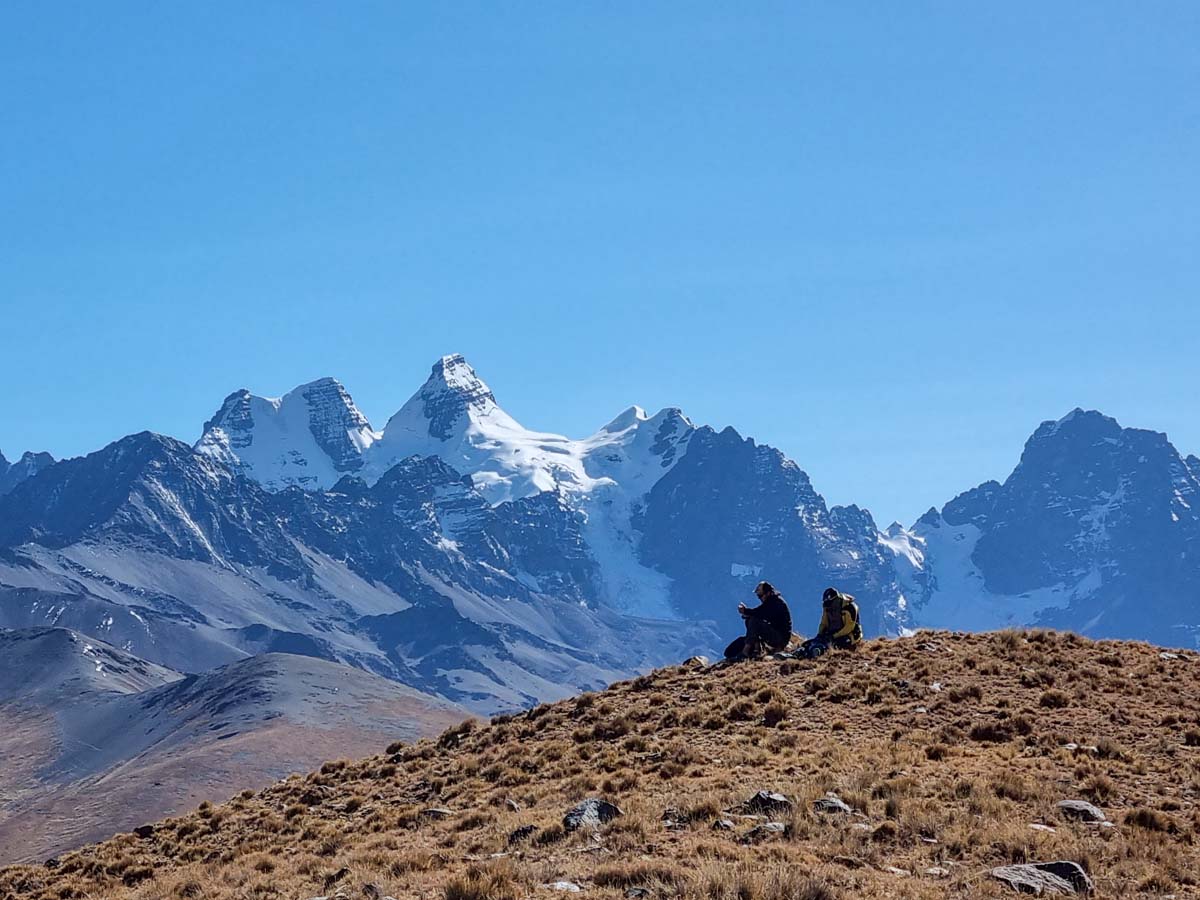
(175,557)
(607,483)
(1096,530)
(95,740)
(458,552)
(942,765)
(28,465)
(454,550)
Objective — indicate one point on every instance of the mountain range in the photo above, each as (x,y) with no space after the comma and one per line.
(95,739)
(457,552)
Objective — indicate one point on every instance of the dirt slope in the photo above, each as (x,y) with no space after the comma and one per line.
(85,754)
(951,751)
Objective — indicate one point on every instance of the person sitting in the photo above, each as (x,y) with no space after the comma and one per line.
(839,629)
(768,625)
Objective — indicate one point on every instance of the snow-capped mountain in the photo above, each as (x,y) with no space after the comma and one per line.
(172,555)
(455,550)
(12,474)
(309,437)
(1097,530)
(605,480)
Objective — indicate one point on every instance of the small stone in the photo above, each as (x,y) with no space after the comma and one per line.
(1167,654)
(936,687)
(436,812)
(696,662)
(921,709)
(144,831)
(1080,811)
(765,830)
(1059,877)
(850,862)
(52,863)
(524,833)
(892,870)
(512,804)
(636,892)
(831,804)
(569,887)
(937,871)
(590,813)
(722,825)
(1036,826)
(767,802)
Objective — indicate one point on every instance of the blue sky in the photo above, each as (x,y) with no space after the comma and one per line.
(887,238)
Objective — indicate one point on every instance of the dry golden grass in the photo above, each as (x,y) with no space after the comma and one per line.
(944,784)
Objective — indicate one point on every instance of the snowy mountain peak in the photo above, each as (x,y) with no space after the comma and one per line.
(452,394)
(626,419)
(308,437)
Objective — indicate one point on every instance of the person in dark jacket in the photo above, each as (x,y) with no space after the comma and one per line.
(768,625)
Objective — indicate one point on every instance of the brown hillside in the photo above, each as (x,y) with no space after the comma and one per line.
(949,749)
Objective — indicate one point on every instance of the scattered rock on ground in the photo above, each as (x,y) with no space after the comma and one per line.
(831,804)
(569,887)
(937,871)
(767,802)
(524,833)
(1081,811)
(765,830)
(1059,877)
(436,812)
(1038,826)
(512,804)
(722,825)
(1167,654)
(144,831)
(696,662)
(590,813)
(636,892)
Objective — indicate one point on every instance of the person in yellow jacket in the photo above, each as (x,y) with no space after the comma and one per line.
(840,628)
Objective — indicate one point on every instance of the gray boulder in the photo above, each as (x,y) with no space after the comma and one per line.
(831,804)
(1080,811)
(767,802)
(1059,877)
(590,813)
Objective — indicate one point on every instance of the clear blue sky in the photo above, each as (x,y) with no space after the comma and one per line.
(886,238)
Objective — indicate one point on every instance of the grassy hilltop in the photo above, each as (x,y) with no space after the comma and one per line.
(950,750)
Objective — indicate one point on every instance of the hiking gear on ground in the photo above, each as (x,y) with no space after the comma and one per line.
(761,637)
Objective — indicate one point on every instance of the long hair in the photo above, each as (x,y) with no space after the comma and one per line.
(766,591)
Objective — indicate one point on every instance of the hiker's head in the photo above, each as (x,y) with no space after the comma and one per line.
(829,596)
(764,590)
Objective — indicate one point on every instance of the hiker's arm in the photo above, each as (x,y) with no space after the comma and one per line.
(847,628)
(823,630)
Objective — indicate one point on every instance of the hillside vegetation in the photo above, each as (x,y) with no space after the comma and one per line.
(951,752)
